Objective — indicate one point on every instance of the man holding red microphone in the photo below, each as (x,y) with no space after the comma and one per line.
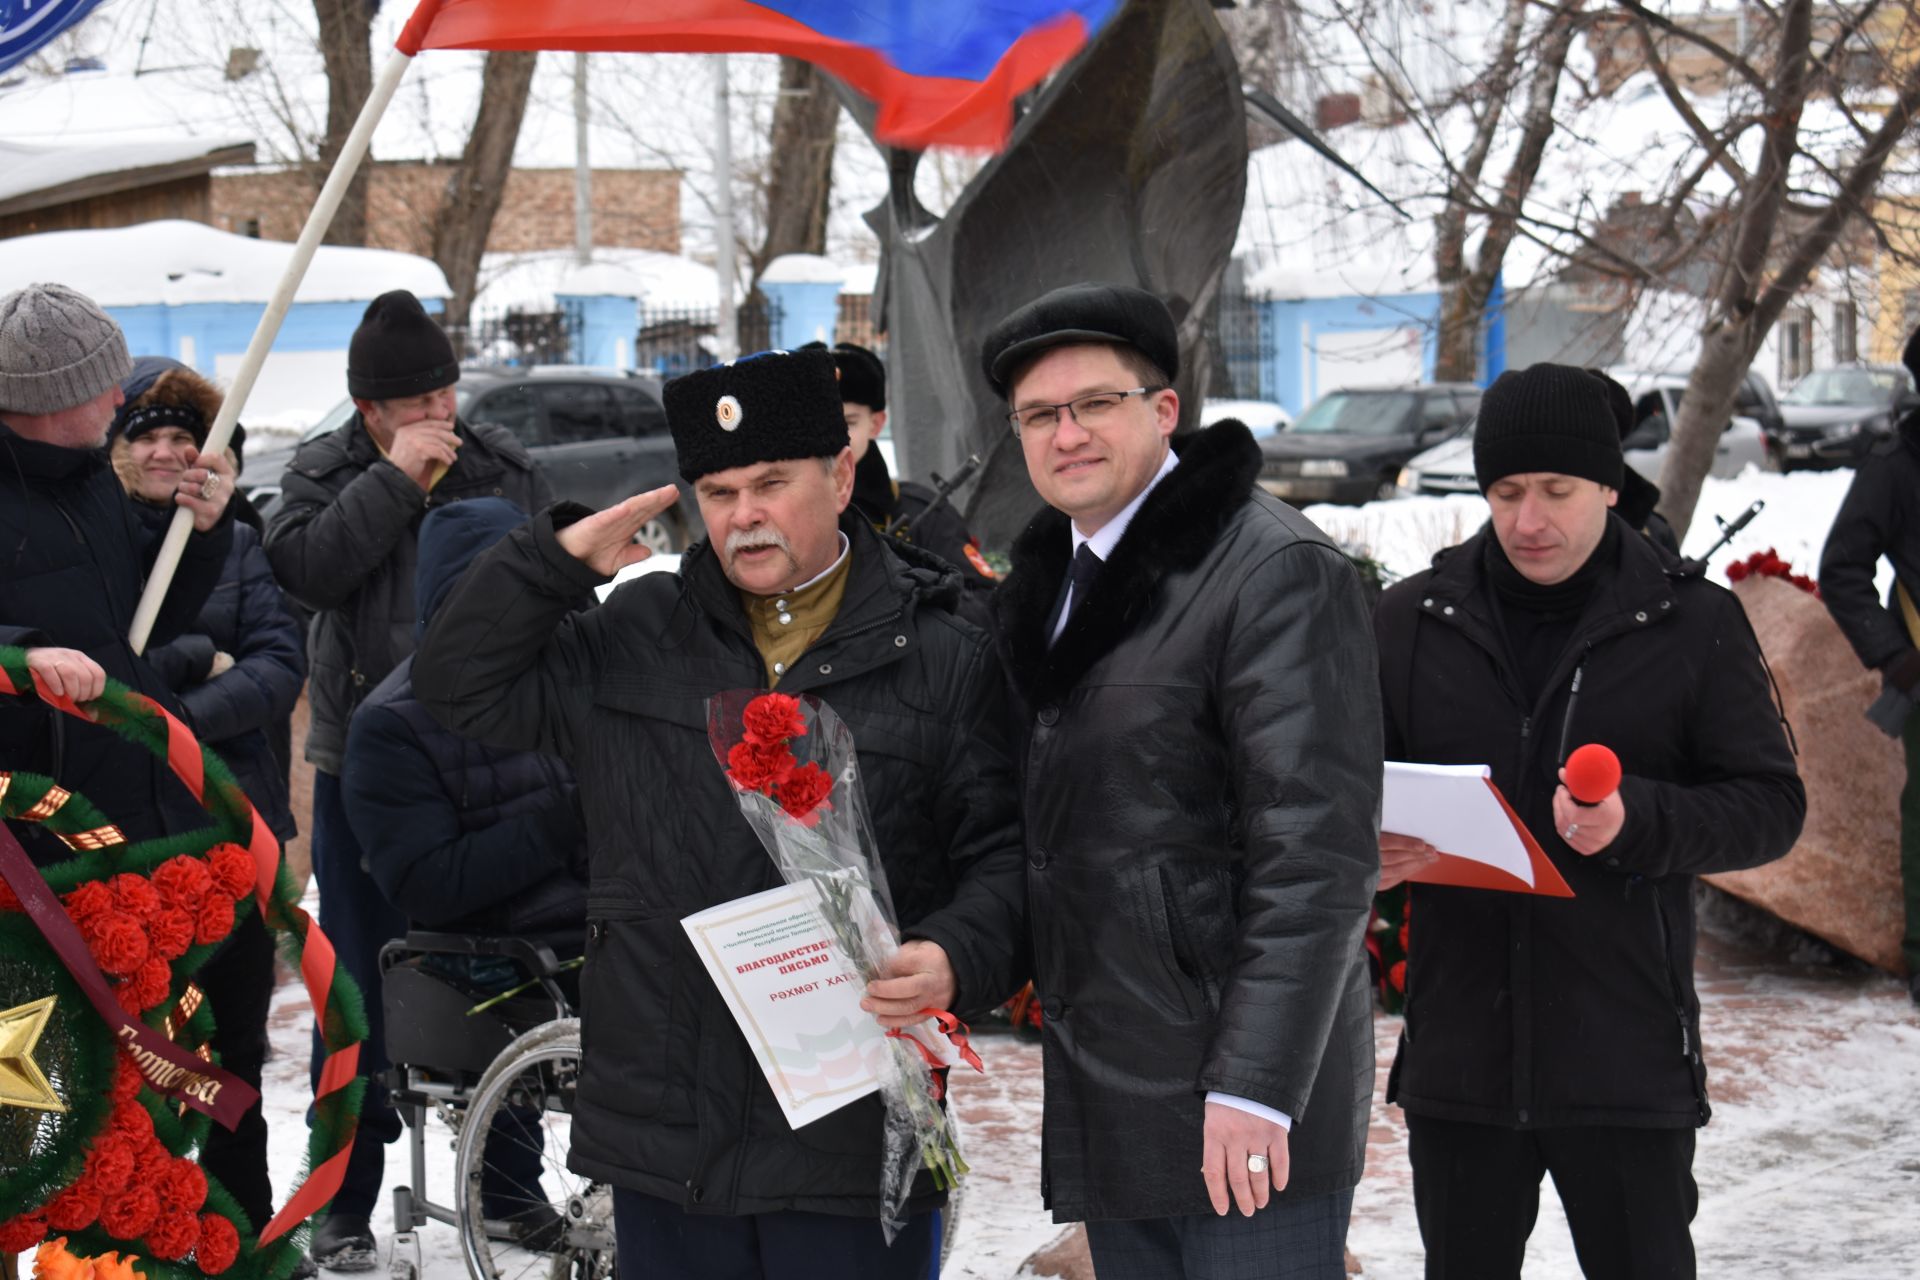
(1550,1035)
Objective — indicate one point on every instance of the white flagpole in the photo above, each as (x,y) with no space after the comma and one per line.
(324,207)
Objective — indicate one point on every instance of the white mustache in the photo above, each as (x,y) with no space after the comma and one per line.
(751,539)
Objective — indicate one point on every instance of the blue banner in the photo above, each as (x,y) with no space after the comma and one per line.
(25,25)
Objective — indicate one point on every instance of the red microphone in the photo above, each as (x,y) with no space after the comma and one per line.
(1593,774)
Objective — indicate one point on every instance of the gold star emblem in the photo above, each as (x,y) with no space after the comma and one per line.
(22,1083)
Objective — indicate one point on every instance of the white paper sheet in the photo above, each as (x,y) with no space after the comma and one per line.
(1452,808)
(795,998)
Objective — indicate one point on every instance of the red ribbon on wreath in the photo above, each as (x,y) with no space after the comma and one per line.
(186,760)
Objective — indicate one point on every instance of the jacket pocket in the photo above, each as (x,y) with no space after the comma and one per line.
(1158,917)
(627,996)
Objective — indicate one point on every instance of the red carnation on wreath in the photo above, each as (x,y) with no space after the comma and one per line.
(219,1244)
(233,869)
(18,1235)
(173,1237)
(183,881)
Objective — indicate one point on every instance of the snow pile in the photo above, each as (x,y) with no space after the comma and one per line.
(803,268)
(531,281)
(25,169)
(175,262)
(1404,534)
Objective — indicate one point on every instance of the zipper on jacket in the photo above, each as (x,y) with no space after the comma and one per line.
(1673,983)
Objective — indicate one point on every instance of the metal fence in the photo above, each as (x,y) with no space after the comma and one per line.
(676,340)
(518,338)
(1240,344)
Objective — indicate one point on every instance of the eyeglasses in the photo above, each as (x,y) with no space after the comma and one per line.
(1088,410)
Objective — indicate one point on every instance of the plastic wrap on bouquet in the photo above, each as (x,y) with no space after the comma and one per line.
(794,771)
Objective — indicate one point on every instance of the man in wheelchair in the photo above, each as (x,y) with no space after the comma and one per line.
(465,839)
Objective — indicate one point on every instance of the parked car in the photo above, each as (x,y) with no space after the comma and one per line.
(1263,417)
(1656,399)
(598,437)
(1833,417)
(1351,444)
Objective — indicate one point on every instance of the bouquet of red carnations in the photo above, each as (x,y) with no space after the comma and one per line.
(794,771)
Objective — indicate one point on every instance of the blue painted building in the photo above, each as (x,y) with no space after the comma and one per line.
(1314,345)
(189,291)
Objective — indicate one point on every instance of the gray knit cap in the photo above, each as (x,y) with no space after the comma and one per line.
(57,350)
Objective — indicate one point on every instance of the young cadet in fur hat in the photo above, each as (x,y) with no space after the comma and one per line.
(74,557)
(1202,783)
(237,671)
(883,499)
(343,544)
(788,589)
(1549,1035)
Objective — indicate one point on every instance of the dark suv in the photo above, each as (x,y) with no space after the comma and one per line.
(1834,417)
(1349,447)
(598,438)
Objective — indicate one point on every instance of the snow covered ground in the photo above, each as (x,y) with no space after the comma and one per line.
(1811,1167)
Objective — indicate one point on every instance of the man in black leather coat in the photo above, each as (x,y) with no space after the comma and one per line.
(1201,787)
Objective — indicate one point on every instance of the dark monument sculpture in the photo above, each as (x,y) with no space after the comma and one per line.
(1128,166)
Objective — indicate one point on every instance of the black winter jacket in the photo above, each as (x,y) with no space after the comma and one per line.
(244,711)
(462,836)
(1201,781)
(342,544)
(1880,516)
(671,1103)
(1534,1011)
(73,560)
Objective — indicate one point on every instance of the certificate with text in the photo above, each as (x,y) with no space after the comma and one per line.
(795,997)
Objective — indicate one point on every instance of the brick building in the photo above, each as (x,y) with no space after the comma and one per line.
(633,208)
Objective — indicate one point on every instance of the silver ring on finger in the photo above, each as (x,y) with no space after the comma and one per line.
(1256,1163)
(209,487)
(1573,829)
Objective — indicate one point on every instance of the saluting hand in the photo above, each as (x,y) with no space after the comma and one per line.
(604,540)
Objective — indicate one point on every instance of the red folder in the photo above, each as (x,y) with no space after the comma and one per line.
(1468,874)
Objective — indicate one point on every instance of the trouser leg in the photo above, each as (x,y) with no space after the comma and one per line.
(1476,1192)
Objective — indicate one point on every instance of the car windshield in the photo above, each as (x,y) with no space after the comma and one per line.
(1845,386)
(1352,413)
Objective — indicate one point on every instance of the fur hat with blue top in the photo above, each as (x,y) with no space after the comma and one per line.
(760,408)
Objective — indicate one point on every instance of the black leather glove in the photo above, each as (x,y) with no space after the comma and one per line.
(1903,673)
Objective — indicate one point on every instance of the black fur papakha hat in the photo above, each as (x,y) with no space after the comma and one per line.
(1082,313)
(761,408)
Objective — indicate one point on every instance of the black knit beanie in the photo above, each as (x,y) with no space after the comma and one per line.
(762,408)
(398,351)
(1547,417)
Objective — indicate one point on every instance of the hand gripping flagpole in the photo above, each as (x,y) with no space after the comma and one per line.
(324,208)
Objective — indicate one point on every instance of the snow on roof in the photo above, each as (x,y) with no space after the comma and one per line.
(1309,230)
(180,262)
(531,281)
(860,277)
(26,168)
(803,268)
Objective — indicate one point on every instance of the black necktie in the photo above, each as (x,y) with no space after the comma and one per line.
(1086,569)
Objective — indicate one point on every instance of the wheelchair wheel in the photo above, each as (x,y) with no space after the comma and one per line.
(523,1214)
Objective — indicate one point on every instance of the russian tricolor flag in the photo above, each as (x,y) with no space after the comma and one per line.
(942,72)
